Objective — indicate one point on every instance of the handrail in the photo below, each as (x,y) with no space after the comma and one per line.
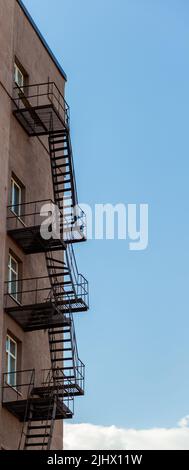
(32,381)
(41,84)
(33,209)
(24,94)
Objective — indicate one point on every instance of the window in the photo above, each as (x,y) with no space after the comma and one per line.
(13,277)
(18,76)
(11,361)
(16,197)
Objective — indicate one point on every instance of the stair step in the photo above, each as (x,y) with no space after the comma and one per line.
(59,141)
(32,436)
(68,198)
(59,149)
(65,368)
(59,185)
(57,267)
(56,274)
(35,444)
(57,350)
(63,165)
(68,292)
(43,426)
(56,159)
(61,199)
(64,181)
(54,341)
(57,359)
(57,332)
(64,283)
(61,190)
(60,175)
(55,260)
(59,284)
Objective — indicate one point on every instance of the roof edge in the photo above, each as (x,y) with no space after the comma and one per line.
(42,39)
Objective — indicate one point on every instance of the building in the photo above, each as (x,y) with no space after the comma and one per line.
(41,287)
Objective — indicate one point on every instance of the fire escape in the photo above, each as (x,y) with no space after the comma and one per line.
(38,398)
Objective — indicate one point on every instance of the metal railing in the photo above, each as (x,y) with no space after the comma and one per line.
(56,381)
(37,290)
(28,382)
(41,95)
(31,214)
(16,384)
(79,366)
(27,291)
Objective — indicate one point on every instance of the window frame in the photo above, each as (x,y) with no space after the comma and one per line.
(17,71)
(10,271)
(14,184)
(9,356)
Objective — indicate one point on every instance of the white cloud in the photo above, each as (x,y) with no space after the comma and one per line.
(90,436)
(184,422)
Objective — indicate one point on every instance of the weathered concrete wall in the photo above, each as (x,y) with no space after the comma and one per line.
(30,162)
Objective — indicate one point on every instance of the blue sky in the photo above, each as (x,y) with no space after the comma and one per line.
(128,88)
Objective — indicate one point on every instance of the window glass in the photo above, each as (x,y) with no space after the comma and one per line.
(11,360)
(13,277)
(18,76)
(16,197)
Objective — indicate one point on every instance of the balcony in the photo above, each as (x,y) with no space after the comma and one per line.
(25,224)
(65,382)
(34,388)
(40,108)
(34,305)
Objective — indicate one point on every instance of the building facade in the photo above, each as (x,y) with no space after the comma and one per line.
(41,288)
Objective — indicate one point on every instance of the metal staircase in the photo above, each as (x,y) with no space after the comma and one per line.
(64,357)
(44,404)
(40,435)
(63,175)
(42,110)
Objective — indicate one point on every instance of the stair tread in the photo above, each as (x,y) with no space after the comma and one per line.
(35,444)
(32,436)
(58,359)
(60,149)
(59,332)
(54,141)
(62,165)
(63,182)
(62,350)
(62,190)
(55,260)
(43,426)
(57,341)
(54,159)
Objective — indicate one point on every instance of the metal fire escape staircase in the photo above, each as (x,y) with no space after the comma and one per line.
(68,285)
(43,407)
(36,433)
(69,289)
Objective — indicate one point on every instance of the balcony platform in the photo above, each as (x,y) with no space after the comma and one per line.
(39,120)
(37,317)
(64,390)
(41,316)
(40,109)
(41,409)
(30,241)
(24,226)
